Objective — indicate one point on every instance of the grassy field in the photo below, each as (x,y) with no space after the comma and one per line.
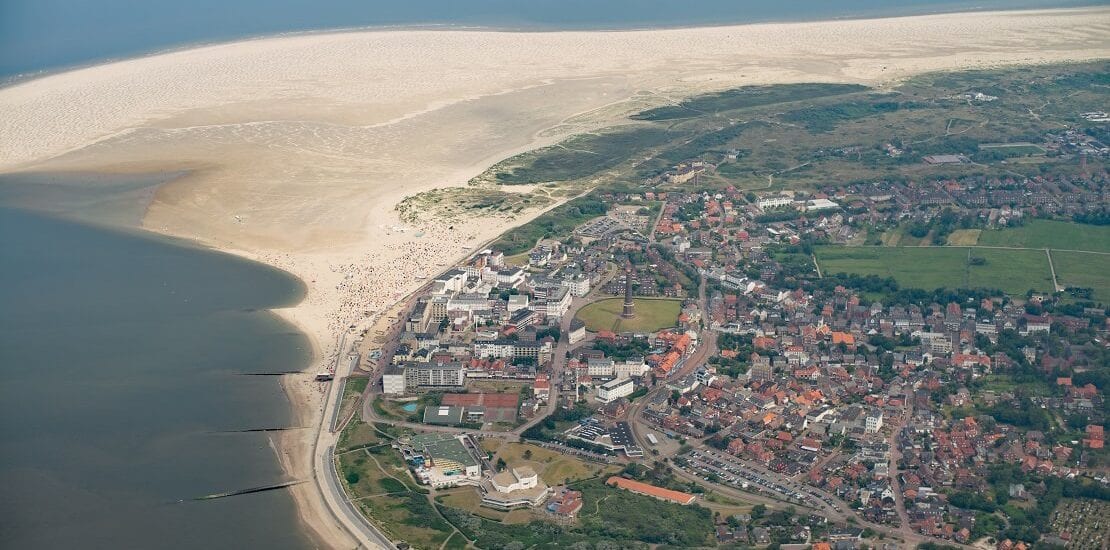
(964,237)
(1012,271)
(394,409)
(557,222)
(610,518)
(553,467)
(1013,149)
(1079,269)
(379,483)
(1051,234)
(468,499)
(926,267)
(651,315)
(358,435)
(353,386)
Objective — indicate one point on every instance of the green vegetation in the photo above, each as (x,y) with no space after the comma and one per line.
(651,315)
(355,385)
(553,467)
(579,156)
(1012,271)
(608,514)
(358,435)
(826,118)
(556,423)
(398,505)
(1027,523)
(1015,272)
(803,135)
(926,268)
(393,410)
(1050,234)
(746,97)
(558,222)
(1079,269)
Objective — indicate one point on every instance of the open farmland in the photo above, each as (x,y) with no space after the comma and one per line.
(1012,271)
(1084,270)
(926,267)
(1050,234)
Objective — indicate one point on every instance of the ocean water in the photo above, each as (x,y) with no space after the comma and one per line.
(42,35)
(121,362)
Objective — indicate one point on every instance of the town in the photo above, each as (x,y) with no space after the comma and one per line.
(918,362)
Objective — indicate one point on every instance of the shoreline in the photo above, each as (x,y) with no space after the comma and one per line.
(300,166)
(22,78)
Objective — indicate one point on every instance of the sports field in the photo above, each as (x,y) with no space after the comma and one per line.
(651,315)
(1013,271)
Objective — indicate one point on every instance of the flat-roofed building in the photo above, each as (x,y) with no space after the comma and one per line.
(499,349)
(444,416)
(434,375)
(518,487)
(393,381)
(615,389)
(577,332)
(443,460)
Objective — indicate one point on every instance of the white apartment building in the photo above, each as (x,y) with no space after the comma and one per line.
(633,367)
(615,389)
(556,305)
(393,381)
(578,285)
(873,422)
(600,367)
(434,375)
(778,201)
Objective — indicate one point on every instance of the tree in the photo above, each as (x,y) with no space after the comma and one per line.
(527,454)
(758,511)
(501,465)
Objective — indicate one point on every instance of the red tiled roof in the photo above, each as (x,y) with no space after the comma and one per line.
(650,490)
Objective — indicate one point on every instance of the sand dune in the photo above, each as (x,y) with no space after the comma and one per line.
(298,148)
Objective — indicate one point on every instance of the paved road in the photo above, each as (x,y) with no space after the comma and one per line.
(707,345)
(895,473)
(325,475)
(368,535)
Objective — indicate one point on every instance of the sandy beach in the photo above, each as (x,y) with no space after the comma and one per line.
(297,149)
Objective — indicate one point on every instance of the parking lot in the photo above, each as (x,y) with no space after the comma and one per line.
(733,472)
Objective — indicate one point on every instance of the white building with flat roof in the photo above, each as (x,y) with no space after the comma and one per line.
(518,487)
(873,422)
(615,389)
(775,201)
(393,381)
